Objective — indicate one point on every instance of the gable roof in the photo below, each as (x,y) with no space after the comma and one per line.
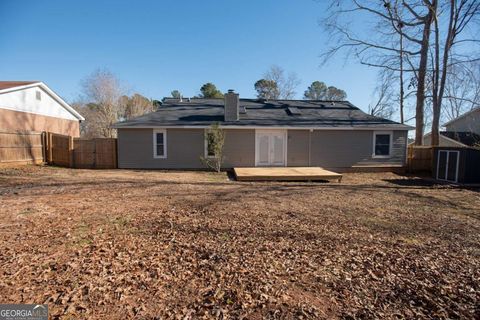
(200,113)
(9,86)
(466,114)
(467,138)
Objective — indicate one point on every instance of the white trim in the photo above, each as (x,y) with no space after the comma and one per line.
(375,133)
(446,165)
(266,128)
(285,149)
(155,156)
(205,145)
(50,92)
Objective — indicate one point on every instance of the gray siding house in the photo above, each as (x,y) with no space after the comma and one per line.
(334,135)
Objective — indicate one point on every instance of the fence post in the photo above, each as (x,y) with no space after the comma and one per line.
(115,153)
(49,148)
(70,152)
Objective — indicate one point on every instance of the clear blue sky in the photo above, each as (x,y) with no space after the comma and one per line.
(157,46)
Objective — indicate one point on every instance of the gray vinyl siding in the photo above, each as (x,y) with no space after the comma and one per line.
(298,148)
(184,149)
(239,148)
(329,148)
(344,149)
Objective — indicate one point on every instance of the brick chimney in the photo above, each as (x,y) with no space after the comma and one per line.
(231,106)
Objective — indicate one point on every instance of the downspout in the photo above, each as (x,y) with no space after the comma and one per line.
(310,147)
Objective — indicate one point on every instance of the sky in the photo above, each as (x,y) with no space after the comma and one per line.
(154,47)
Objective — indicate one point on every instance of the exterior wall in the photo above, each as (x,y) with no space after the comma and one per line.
(298,148)
(25,100)
(23,121)
(329,149)
(239,148)
(469,123)
(184,149)
(345,149)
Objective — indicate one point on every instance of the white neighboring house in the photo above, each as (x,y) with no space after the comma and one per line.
(33,106)
(463,131)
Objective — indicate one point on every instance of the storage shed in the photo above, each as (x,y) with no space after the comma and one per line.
(456,164)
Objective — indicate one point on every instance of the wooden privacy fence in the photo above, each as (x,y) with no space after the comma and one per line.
(420,159)
(22,147)
(98,153)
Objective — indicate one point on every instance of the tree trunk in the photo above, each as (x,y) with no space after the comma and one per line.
(422,71)
(435,139)
(437,108)
(402,92)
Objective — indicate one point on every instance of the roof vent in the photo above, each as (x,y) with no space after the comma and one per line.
(294,111)
(242,110)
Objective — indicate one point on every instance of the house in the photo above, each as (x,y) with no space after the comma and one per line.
(463,131)
(330,134)
(32,106)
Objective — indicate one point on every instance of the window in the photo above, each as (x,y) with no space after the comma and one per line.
(209,149)
(38,95)
(159,143)
(382,144)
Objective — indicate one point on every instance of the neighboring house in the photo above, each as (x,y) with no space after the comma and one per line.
(32,106)
(463,131)
(467,122)
(329,134)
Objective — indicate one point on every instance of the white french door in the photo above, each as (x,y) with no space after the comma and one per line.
(447,165)
(270,148)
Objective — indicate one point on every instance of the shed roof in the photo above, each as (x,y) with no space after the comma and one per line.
(258,113)
(467,138)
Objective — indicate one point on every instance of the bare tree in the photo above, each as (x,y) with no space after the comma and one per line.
(414,22)
(401,29)
(136,105)
(461,14)
(383,96)
(286,85)
(462,90)
(101,93)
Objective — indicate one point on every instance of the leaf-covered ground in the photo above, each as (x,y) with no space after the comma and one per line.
(154,245)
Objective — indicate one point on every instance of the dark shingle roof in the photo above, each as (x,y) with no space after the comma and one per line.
(467,138)
(297,113)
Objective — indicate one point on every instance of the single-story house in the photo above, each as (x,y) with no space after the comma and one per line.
(295,133)
(32,106)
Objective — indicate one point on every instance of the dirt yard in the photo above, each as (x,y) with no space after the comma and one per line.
(154,245)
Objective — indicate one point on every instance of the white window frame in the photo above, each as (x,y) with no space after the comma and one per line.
(375,133)
(164,131)
(205,145)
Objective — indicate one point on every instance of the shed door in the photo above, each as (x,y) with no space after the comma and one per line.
(447,165)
